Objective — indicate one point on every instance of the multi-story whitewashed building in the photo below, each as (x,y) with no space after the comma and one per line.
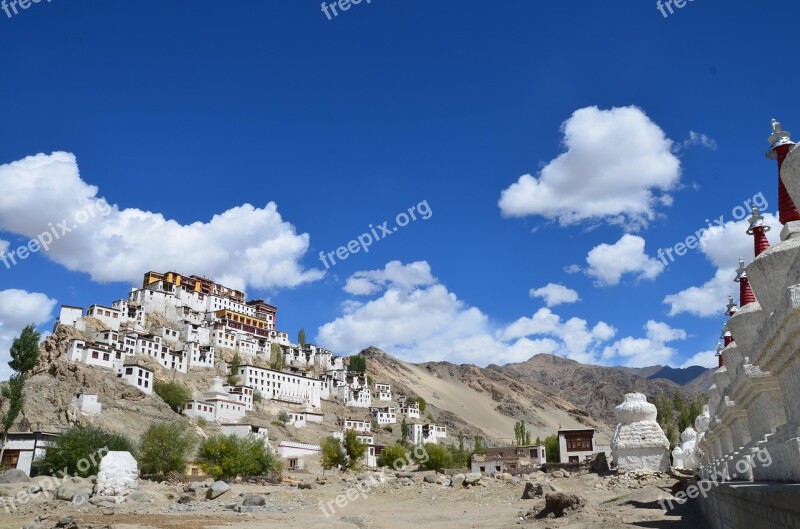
(419,433)
(385,415)
(280,385)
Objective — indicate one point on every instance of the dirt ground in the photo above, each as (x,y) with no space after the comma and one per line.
(396,503)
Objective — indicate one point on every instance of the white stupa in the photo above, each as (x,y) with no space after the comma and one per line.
(685,456)
(639,443)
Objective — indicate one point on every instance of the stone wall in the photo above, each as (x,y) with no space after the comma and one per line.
(752,505)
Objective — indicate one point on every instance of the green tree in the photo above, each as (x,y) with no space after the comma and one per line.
(225,457)
(233,376)
(521,434)
(393,456)
(166,447)
(438,457)
(333,454)
(301,338)
(357,364)
(403,430)
(78,451)
(283,417)
(480,446)
(459,456)
(25,350)
(175,394)
(354,448)
(276,356)
(24,357)
(552,450)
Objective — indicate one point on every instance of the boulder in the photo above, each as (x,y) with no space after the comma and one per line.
(305,486)
(362,522)
(76,495)
(194,486)
(139,497)
(532,491)
(430,478)
(254,500)
(217,489)
(560,503)
(14,476)
(473,478)
(187,498)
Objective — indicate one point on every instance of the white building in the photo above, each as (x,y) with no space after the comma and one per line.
(137,375)
(217,404)
(280,385)
(355,424)
(93,354)
(87,404)
(244,431)
(383,392)
(575,445)
(22,448)
(410,409)
(69,315)
(383,415)
(108,315)
(295,453)
(419,433)
(354,397)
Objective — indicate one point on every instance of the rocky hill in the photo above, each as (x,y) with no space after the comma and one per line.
(546,392)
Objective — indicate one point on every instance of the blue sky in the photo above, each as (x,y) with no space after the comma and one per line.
(241,139)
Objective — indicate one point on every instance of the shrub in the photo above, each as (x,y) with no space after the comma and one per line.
(438,457)
(233,376)
(224,457)
(176,395)
(333,453)
(283,417)
(78,451)
(166,447)
(393,456)
(201,422)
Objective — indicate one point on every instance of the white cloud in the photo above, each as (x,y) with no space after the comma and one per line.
(19,308)
(406,277)
(617,167)
(573,269)
(609,262)
(704,359)
(708,299)
(416,318)
(723,246)
(242,246)
(555,294)
(647,351)
(698,138)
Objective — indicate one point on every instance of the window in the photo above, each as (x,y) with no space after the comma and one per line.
(129,371)
(573,459)
(579,441)
(10,458)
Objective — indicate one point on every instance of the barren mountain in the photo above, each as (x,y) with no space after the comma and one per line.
(594,390)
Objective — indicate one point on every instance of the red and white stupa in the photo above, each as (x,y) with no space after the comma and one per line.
(746,295)
(780,144)
(758,229)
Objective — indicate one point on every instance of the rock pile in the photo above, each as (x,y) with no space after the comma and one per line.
(118,476)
